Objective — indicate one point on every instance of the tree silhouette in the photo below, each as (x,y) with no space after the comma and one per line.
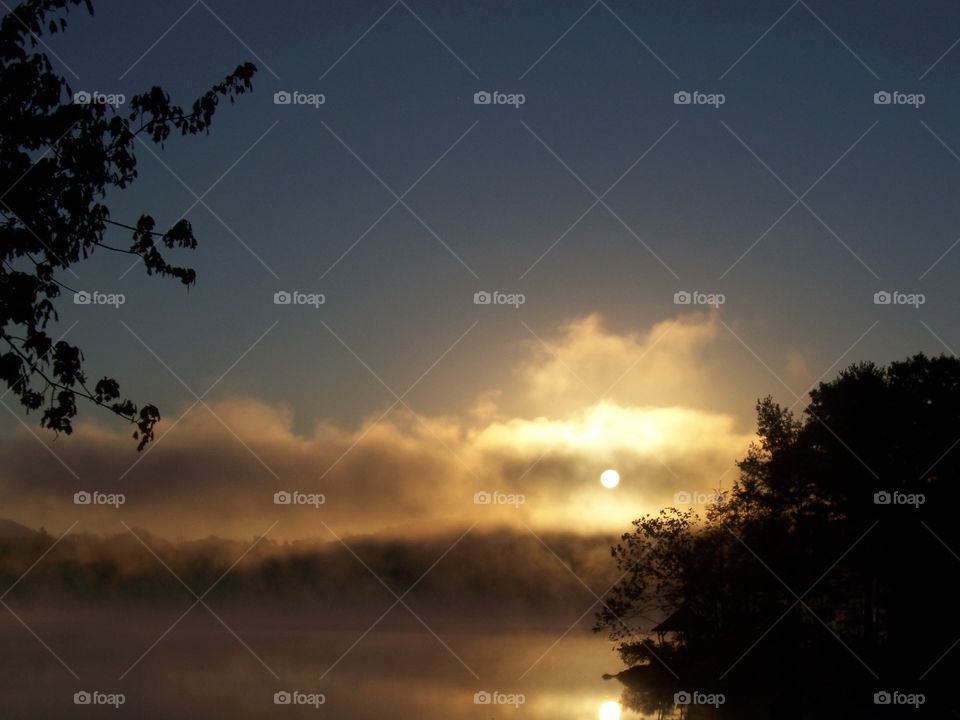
(825,566)
(58,158)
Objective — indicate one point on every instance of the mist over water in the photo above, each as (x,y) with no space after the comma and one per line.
(495,624)
(398,670)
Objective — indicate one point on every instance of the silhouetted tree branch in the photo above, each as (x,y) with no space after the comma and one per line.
(58,158)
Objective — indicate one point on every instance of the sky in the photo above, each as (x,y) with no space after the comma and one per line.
(789,191)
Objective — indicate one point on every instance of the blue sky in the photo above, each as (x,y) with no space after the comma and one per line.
(800,98)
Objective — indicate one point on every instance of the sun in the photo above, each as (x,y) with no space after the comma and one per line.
(610,710)
(610,478)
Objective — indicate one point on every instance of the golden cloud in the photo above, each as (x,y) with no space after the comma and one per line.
(591,398)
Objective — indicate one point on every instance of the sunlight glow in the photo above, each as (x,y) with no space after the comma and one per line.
(608,428)
(610,478)
(609,711)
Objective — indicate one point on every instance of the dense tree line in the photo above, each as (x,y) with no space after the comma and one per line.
(828,566)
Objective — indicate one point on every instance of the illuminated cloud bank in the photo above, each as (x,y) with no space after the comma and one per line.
(589,399)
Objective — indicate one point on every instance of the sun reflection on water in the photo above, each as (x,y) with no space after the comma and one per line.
(609,711)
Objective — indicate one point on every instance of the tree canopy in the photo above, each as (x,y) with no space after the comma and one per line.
(58,159)
(826,563)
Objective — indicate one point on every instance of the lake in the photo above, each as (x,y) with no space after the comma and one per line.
(325,666)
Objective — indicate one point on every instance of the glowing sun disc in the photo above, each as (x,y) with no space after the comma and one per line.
(610,478)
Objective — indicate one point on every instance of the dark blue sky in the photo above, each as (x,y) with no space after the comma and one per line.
(799,94)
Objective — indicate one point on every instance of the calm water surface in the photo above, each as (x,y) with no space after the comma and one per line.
(400,669)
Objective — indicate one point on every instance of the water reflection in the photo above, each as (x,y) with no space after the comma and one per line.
(609,710)
(398,670)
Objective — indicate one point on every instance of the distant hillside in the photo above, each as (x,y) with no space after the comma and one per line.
(11,530)
(499,568)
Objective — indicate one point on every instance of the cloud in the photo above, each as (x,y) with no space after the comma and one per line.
(537,453)
(665,365)
(797,371)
